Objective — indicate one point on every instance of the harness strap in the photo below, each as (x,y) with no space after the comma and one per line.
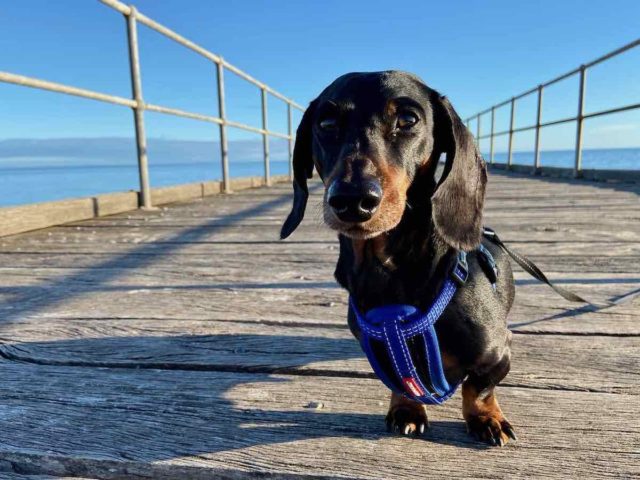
(366,336)
(394,325)
(401,359)
(488,265)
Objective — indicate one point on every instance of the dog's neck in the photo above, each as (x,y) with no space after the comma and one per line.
(404,265)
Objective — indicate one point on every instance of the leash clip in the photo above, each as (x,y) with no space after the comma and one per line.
(460,272)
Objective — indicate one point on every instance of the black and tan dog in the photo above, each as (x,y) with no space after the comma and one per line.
(376,139)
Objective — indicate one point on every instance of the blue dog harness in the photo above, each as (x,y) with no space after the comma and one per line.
(401,343)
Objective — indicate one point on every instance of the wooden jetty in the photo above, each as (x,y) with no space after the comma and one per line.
(189,342)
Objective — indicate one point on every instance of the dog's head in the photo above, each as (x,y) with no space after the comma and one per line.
(373,137)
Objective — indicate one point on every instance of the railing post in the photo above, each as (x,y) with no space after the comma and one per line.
(138,111)
(511,124)
(265,138)
(478,133)
(536,153)
(493,125)
(290,140)
(222,113)
(577,169)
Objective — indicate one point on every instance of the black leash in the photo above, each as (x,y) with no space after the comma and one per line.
(533,270)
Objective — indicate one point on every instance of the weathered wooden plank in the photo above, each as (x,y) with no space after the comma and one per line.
(267,304)
(515,233)
(245,425)
(270,253)
(528,318)
(130,272)
(287,295)
(282,308)
(595,363)
(214,234)
(550,237)
(7,475)
(220,237)
(206,272)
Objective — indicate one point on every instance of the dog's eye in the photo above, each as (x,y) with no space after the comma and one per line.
(406,121)
(328,124)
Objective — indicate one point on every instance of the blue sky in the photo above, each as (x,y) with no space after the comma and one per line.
(476,52)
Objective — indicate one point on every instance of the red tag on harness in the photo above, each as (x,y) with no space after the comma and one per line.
(412,387)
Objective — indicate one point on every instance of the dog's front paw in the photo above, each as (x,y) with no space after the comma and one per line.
(406,416)
(490,428)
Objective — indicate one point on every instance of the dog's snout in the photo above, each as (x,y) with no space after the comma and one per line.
(354,202)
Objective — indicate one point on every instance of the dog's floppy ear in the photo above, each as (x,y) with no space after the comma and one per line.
(459,197)
(302,170)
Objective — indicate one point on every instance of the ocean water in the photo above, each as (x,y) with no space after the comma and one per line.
(614,158)
(39,179)
(34,181)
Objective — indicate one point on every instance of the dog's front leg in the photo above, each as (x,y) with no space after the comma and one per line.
(484,417)
(406,416)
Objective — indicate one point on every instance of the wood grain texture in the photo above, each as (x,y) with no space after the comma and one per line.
(594,363)
(169,424)
(186,342)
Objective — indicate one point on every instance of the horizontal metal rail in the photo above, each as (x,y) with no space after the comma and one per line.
(167,32)
(139,106)
(7,77)
(579,118)
(564,120)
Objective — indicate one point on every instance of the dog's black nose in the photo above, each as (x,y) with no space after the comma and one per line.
(354,202)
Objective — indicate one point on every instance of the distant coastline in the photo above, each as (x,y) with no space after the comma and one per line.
(120,150)
(42,170)
(112,151)
(596,158)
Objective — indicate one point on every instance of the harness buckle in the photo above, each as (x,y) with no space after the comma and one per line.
(460,272)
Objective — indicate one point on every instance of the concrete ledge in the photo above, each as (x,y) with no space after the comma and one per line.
(25,218)
(112,203)
(254,182)
(623,176)
(177,193)
(211,188)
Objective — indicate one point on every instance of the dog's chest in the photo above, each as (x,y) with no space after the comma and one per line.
(408,281)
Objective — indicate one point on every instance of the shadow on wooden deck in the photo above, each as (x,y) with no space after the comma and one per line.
(32,299)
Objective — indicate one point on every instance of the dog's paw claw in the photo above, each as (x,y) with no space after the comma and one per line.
(491,430)
(407,421)
(508,429)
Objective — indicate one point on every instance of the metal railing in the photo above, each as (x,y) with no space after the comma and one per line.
(139,106)
(579,118)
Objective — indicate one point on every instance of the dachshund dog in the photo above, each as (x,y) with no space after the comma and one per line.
(376,140)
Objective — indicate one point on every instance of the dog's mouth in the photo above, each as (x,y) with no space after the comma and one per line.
(358,232)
